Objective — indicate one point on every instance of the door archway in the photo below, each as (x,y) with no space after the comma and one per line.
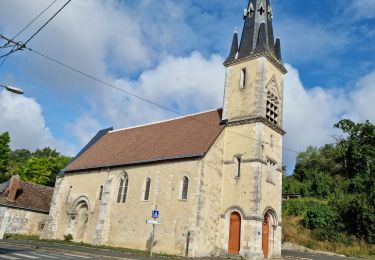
(81,222)
(234,234)
(266,235)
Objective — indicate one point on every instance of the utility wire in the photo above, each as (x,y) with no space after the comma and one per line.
(31,22)
(49,20)
(21,31)
(144,99)
(103,84)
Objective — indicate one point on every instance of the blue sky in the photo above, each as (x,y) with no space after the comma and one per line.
(172,52)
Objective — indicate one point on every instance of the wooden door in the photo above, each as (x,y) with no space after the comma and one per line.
(265,236)
(234,234)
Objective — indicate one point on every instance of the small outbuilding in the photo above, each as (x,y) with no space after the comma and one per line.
(24,207)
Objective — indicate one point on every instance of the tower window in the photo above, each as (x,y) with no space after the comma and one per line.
(243,78)
(271,169)
(272,108)
(261,9)
(271,141)
(185,188)
(147,189)
(237,164)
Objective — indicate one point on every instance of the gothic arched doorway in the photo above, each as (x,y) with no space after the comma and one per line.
(234,234)
(81,221)
(266,235)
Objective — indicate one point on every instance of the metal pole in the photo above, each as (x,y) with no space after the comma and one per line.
(152,238)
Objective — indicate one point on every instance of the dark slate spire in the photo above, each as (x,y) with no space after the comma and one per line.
(234,50)
(257,35)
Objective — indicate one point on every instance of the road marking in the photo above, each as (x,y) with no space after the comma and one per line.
(26,256)
(81,256)
(8,257)
(49,256)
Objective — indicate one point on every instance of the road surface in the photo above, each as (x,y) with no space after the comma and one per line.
(13,252)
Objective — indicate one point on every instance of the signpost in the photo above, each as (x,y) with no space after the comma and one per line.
(155,216)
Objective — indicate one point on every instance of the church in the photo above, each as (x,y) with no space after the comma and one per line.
(215,177)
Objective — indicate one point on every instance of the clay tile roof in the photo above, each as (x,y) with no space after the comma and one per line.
(29,196)
(185,137)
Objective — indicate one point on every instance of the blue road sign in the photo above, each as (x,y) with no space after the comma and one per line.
(155,214)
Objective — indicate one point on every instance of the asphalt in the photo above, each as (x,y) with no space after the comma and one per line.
(302,255)
(19,249)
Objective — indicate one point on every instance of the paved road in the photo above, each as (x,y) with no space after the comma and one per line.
(10,252)
(306,256)
(26,250)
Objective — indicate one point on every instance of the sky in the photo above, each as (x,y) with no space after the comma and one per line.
(171,52)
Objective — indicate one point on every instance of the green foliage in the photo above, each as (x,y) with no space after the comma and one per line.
(42,170)
(68,237)
(299,207)
(4,154)
(342,174)
(39,167)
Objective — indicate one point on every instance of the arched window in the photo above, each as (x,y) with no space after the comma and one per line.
(123,189)
(147,189)
(100,192)
(185,188)
(120,188)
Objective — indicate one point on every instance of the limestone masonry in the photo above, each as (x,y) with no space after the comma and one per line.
(215,177)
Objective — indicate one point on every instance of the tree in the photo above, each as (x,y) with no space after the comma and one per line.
(344,175)
(4,154)
(42,170)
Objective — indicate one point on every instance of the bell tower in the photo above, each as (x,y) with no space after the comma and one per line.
(252,150)
(254,78)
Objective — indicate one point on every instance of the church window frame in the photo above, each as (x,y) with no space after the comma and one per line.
(272,108)
(184,188)
(243,78)
(101,189)
(237,167)
(273,104)
(123,188)
(271,141)
(146,193)
(271,171)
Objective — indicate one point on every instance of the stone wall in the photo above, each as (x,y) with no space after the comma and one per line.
(20,221)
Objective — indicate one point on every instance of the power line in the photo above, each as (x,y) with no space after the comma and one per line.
(32,21)
(21,31)
(49,20)
(142,98)
(103,84)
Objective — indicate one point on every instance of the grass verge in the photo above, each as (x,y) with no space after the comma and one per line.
(294,232)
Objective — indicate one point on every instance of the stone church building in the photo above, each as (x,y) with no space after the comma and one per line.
(215,176)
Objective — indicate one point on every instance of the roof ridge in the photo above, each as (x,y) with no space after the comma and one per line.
(35,184)
(164,121)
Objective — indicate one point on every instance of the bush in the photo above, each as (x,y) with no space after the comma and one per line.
(300,207)
(68,237)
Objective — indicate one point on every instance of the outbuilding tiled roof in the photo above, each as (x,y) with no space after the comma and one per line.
(29,196)
(185,137)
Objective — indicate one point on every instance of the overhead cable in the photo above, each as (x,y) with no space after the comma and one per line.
(106,84)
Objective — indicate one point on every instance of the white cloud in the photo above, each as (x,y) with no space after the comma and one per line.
(23,118)
(311,113)
(84,128)
(360,9)
(305,41)
(184,84)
